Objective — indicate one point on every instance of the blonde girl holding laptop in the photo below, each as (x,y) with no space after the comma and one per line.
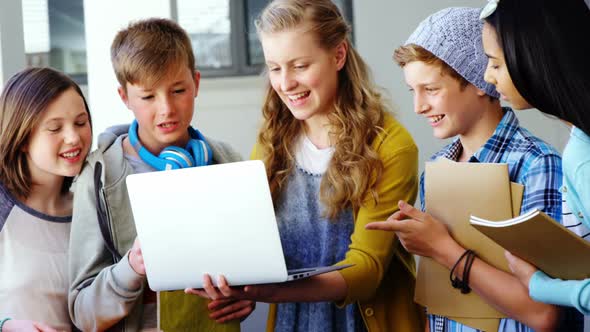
(336,160)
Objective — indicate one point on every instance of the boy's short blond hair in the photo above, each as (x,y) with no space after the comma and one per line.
(412,52)
(146,51)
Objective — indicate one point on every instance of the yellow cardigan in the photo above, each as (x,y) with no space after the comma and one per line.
(383,277)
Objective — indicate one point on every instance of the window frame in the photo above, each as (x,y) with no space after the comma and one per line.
(81,78)
(238,16)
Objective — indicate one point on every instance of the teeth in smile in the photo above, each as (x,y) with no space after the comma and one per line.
(435,119)
(166,125)
(71,154)
(298,96)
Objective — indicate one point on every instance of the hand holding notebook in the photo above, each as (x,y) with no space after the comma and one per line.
(454,192)
(540,240)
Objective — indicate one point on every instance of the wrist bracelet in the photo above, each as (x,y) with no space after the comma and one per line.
(463,283)
(455,282)
(3,321)
(466,271)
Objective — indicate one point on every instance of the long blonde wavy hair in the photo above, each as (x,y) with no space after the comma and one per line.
(355,122)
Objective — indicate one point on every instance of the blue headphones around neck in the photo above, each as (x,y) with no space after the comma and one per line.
(196,153)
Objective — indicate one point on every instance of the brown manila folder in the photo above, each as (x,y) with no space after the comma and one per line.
(453,192)
(544,242)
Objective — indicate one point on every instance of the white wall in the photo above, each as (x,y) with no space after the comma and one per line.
(103,19)
(12,45)
(228,109)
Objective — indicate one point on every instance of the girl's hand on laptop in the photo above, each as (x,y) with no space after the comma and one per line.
(136,258)
(209,291)
(261,293)
(226,310)
(226,304)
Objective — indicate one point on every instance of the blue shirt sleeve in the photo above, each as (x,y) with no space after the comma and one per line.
(421,187)
(573,293)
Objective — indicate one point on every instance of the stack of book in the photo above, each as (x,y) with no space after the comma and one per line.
(454,192)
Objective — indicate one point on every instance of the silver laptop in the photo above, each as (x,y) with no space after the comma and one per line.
(212,219)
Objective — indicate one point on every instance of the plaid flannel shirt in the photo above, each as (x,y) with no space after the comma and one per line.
(531,162)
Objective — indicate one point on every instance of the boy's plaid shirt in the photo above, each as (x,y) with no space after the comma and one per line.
(531,162)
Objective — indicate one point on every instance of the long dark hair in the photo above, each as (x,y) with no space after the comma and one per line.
(547,52)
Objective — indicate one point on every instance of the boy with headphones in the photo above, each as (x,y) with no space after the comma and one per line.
(155,66)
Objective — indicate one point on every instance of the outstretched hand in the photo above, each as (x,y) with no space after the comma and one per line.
(522,269)
(420,233)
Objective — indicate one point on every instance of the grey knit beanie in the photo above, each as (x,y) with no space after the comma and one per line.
(454,36)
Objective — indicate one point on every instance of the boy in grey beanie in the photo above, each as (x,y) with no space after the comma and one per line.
(444,65)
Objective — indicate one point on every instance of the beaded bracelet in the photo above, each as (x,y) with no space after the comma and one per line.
(2,322)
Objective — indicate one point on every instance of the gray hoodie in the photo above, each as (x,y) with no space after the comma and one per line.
(106,292)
